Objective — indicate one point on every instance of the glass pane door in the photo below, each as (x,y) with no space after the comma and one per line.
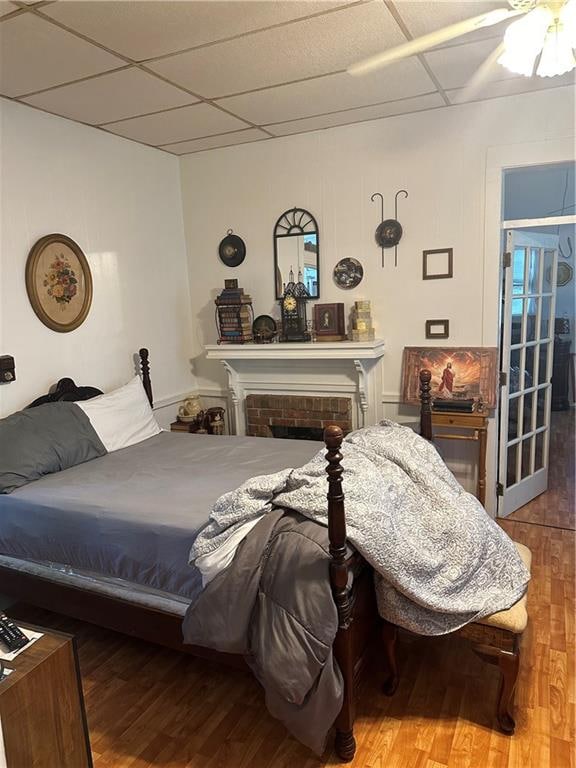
(527,352)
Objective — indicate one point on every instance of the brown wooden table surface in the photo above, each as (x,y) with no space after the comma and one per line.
(42,708)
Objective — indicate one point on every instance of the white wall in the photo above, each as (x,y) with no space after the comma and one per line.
(121,203)
(439,156)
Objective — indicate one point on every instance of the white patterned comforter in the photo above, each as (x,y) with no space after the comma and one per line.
(440,561)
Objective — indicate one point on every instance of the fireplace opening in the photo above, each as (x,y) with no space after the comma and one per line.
(297,433)
(296,416)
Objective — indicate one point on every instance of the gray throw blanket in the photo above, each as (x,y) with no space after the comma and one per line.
(273,604)
(440,561)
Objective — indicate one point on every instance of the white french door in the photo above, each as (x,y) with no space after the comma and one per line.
(527,354)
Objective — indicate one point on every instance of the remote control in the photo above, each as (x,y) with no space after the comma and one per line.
(12,637)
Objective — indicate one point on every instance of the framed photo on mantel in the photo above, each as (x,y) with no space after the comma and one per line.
(458,373)
(329,322)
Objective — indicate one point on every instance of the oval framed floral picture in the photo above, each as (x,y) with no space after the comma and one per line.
(59,282)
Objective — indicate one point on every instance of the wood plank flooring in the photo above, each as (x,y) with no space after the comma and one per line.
(557,506)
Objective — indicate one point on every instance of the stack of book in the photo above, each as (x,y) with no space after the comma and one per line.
(362,326)
(454,406)
(234,314)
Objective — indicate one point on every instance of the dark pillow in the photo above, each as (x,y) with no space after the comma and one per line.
(43,440)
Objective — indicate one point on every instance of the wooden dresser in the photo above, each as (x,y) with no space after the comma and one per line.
(42,708)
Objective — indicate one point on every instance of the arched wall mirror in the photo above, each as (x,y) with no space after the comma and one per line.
(297,250)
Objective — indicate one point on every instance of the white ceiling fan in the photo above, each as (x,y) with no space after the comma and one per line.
(545,31)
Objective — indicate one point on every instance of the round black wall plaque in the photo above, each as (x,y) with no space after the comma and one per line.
(232,250)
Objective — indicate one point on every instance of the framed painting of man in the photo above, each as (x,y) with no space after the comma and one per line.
(458,373)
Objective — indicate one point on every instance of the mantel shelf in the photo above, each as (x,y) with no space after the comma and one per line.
(318,350)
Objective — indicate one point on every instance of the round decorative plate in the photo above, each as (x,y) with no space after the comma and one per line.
(564,274)
(348,273)
(264,328)
(232,250)
(389,233)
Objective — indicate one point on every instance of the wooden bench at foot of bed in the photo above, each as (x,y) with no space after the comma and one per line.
(495,639)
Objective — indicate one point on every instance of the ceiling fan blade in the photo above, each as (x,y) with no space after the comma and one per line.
(425,42)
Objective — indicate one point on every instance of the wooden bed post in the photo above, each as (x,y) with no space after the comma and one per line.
(425,407)
(345,742)
(145,368)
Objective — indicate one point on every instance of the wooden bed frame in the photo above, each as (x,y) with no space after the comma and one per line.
(357,612)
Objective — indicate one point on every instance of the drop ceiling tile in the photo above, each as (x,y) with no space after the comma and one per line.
(460,65)
(331,93)
(510,87)
(180,124)
(427,16)
(213,142)
(35,54)
(303,49)
(6,8)
(401,107)
(142,30)
(112,97)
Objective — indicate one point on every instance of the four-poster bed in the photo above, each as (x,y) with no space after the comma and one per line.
(350,578)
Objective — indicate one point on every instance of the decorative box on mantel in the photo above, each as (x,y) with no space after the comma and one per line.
(327,369)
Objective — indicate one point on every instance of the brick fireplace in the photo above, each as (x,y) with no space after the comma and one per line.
(266,412)
(295,386)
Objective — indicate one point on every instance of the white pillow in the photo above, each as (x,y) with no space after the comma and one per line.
(122,417)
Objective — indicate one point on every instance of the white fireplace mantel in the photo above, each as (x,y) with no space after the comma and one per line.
(329,368)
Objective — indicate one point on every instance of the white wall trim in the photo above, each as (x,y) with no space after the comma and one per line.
(165,402)
(392,397)
(549,221)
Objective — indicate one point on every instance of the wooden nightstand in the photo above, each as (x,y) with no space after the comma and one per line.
(476,425)
(42,708)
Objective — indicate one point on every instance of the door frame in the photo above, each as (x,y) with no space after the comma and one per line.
(499,159)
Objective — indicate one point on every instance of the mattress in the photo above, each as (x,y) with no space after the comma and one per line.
(133,514)
(127,591)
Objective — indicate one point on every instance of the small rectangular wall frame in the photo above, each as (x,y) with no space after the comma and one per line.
(437,329)
(440,266)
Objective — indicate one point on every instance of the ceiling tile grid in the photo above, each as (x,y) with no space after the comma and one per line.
(193,75)
(331,93)
(303,49)
(332,119)
(213,142)
(111,97)
(6,8)
(426,16)
(196,121)
(145,30)
(510,87)
(459,65)
(35,54)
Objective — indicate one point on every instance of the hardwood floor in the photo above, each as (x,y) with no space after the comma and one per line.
(148,706)
(557,506)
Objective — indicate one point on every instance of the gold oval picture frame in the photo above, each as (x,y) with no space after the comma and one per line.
(59,282)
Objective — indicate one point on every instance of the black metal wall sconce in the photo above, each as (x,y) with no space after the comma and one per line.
(389,231)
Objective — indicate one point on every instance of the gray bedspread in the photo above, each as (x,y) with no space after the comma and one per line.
(133,514)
